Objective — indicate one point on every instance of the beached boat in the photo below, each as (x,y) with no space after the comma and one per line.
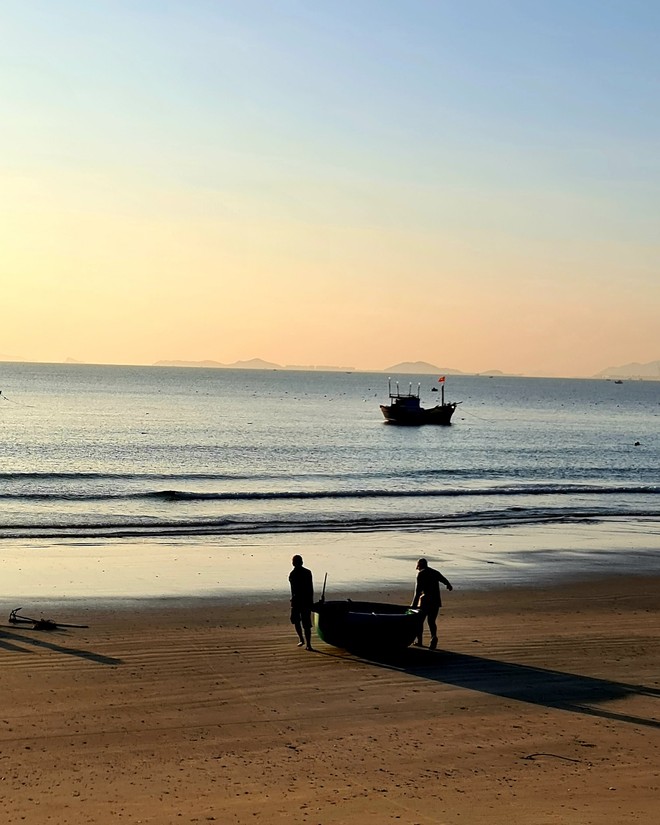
(366,626)
(406,408)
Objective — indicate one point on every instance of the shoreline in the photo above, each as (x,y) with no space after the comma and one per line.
(396,593)
(231,568)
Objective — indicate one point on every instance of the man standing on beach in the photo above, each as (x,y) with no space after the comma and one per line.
(427,596)
(302,599)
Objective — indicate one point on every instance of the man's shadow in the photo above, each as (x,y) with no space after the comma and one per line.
(16,641)
(523,683)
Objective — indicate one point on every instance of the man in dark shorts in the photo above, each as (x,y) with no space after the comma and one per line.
(302,599)
(427,597)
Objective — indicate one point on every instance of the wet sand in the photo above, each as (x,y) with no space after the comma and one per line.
(232,566)
(542,706)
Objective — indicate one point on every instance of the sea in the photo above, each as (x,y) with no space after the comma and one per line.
(107,454)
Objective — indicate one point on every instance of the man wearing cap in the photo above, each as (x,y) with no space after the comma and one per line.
(427,597)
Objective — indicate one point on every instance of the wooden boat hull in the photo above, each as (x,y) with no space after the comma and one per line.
(366,626)
(398,414)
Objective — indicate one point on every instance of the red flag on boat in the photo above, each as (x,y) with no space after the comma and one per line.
(441,380)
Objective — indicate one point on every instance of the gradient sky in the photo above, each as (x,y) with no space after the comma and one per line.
(348,182)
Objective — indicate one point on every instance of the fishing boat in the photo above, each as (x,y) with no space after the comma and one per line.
(366,626)
(406,408)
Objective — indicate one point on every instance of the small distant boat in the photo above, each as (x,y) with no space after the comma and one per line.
(618,381)
(406,408)
(366,626)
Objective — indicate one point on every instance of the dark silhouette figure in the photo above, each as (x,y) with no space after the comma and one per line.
(302,599)
(427,597)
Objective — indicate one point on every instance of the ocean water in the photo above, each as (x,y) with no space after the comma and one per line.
(103,452)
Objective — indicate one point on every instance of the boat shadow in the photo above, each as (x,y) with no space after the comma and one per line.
(554,689)
(18,642)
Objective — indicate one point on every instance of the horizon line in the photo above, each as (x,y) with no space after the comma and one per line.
(216,365)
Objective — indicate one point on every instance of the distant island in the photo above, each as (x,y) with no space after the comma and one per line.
(648,371)
(253,364)
(421,368)
(405,367)
(634,370)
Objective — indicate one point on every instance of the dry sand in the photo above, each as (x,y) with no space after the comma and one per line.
(543,706)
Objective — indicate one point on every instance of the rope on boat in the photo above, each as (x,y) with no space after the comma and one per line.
(481,418)
(3,397)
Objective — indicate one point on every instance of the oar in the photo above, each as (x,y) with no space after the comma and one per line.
(39,624)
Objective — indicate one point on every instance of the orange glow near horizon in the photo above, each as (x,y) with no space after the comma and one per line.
(149,214)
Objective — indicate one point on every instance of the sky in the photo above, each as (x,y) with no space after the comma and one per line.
(474,184)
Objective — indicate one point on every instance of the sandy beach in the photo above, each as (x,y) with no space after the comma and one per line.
(542,706)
